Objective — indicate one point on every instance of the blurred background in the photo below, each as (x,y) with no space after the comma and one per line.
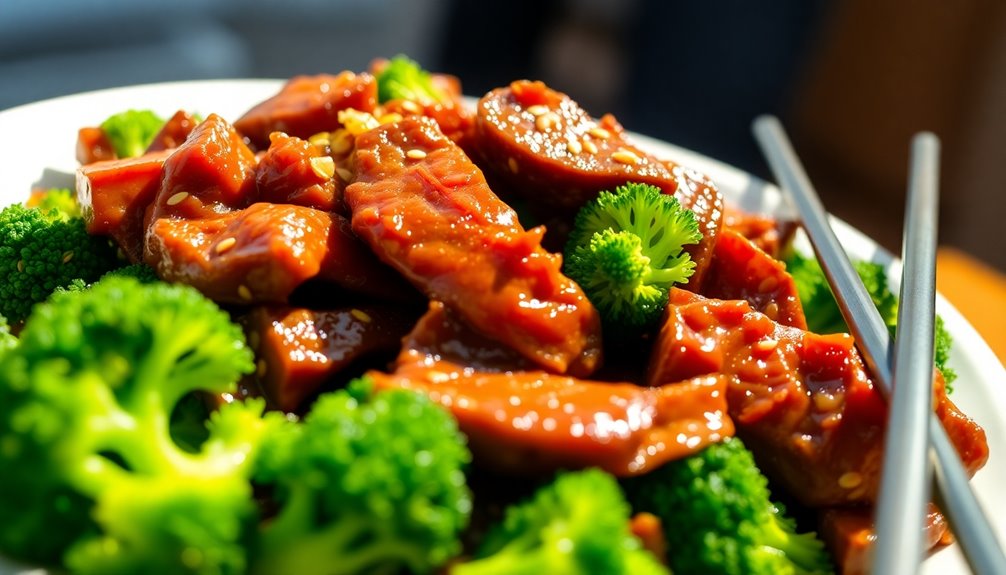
(852,79)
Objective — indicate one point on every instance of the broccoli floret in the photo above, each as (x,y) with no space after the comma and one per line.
(7,339)
(718,517)
(577,525)
(62,200)
(625,251)
(404,79)
(375,484)
(141,272)
(92,476)
(130,132)
(824,316)
(41,250)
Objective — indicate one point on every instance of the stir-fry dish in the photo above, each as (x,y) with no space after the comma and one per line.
(370,328)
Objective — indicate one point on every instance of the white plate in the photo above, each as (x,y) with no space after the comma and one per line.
(37,144)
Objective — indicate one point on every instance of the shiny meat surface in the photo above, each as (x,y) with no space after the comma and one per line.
(427,211)
(307,105)
(803,403)
(533,421)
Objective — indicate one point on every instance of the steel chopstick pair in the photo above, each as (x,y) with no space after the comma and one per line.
(917,434)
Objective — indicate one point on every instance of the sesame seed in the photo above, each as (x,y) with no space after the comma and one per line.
(340,142)
(262,368)
(177,198)
(320,139)
(537,110)
(768,284)
(850,480)
(244,293)
(771,310)
(360,315)
(411,107)
(415,154)
(254,340)
(323,167)
(767,344)
(623,156)
(513,165)
(226,244)
(67,256)
(825,401)
(546,122)
(344,174)
(20,265)
(574,146)
(600,133)
(591,147)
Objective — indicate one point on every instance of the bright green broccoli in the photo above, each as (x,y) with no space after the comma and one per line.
(141,272)
(63,200)
(625,251)
(824,315)
(404,79)
(130,132)
(7,339)
(577,525)
(368,483)
(717,517)
(92,476)
(41,250)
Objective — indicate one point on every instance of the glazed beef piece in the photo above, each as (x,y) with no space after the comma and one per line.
(426,210)
(292,171)
(263,253)
(549,150)
(174,132)
(803,403)
(307,105)
(300,350)
(742,271)
(93,146)
(114,195)
(205,229)
(530,422)
(850,536)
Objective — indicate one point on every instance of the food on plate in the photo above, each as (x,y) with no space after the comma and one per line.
(339,335)
(717,505)
(625,249)
(42,248)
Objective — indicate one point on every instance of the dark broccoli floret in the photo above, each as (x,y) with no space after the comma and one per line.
(404,79)
(368,483)
(130,132)
(718,517)
(43,250)
(824,316)
(578,525)
(625,251)
(92,476)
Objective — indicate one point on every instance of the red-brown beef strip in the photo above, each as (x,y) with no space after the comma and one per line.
(803,403)
(550,150)
(532,422)
(426,210)
(114,195)
(741,270)
(174,132)
(204,230)
(307,105)
(262,253)
(292,171)
(299,350)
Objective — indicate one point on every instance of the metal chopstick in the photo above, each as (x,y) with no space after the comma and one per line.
(955,495)
(907,473)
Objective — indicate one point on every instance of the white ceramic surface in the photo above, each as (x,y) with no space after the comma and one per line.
(37,144)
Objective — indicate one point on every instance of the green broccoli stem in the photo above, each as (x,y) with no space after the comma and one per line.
(334,550)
